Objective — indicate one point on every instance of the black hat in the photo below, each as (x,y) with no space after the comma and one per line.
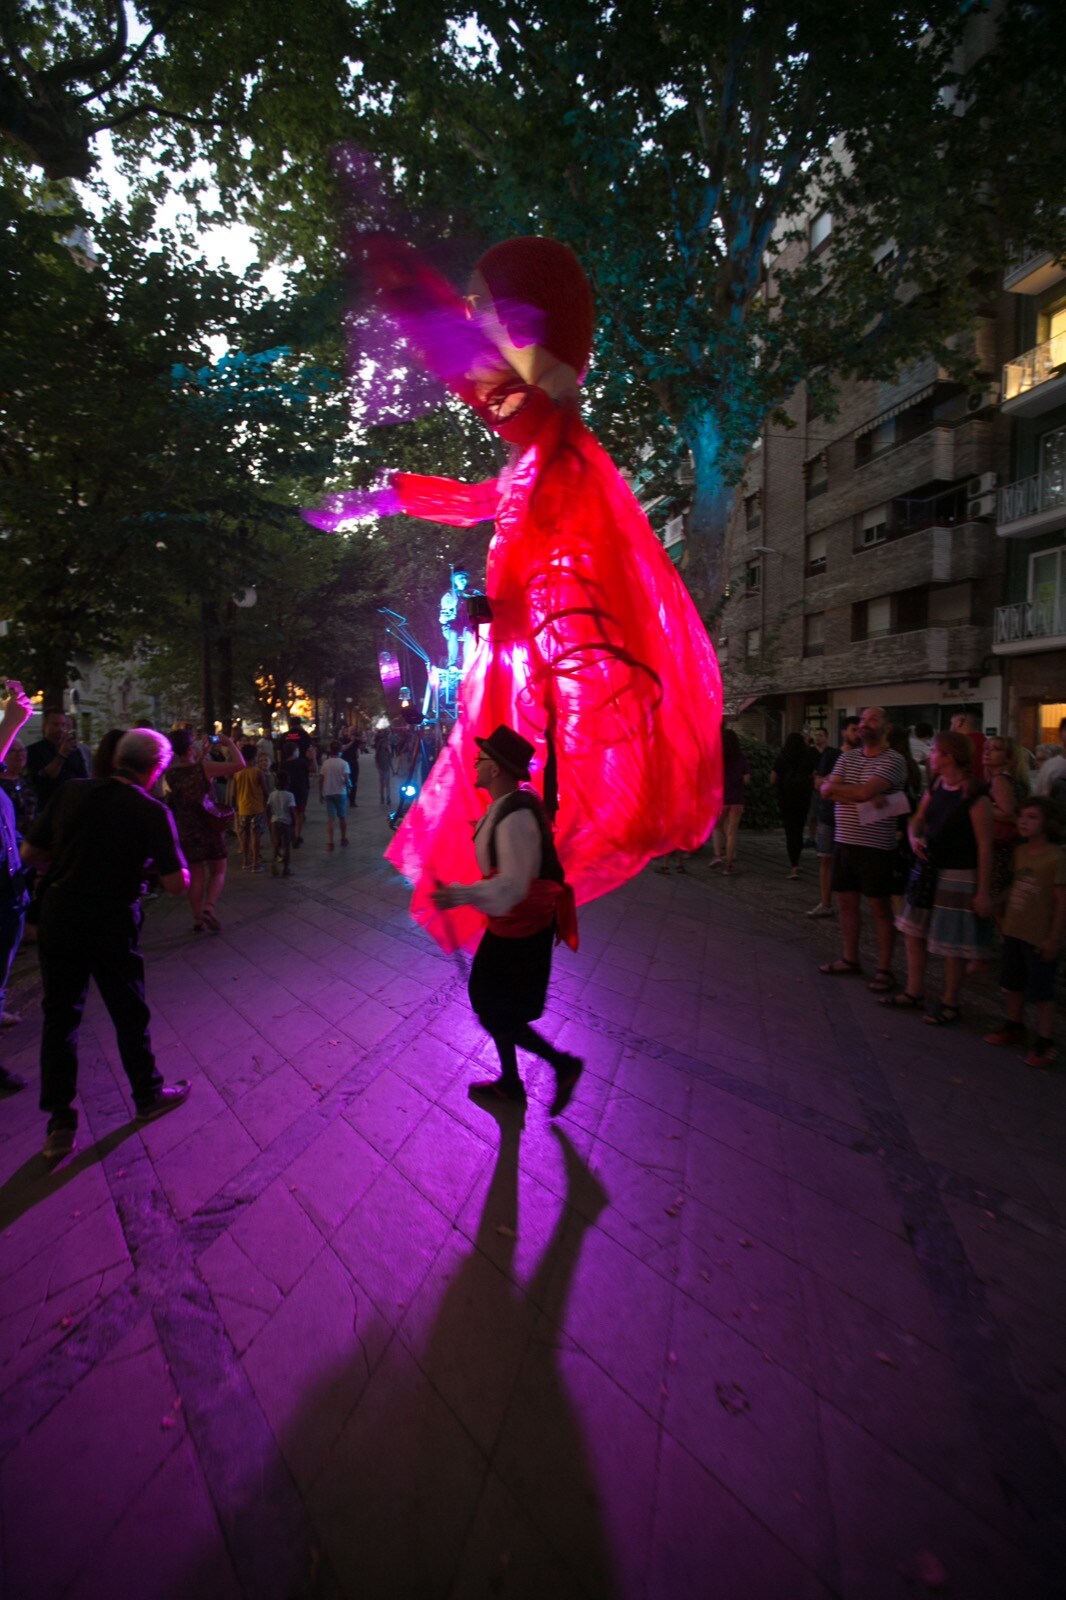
(509,750)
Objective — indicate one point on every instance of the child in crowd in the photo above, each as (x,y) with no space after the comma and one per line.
(282,804)
(1033,926)
(249,794)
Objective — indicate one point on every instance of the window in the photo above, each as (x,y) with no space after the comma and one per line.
(816,472)
(885,257)
(814,634)
(1053,332)
(875,441)
(723,649)
(753,576)
(910,610)
(816,554)
(1053,468)
(951,606)
(821,227)
(873,527)
(753,642)
(909,423)
(1047,589)
(753,511)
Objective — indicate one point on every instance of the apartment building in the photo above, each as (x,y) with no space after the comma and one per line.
(1029,636)
(863,554)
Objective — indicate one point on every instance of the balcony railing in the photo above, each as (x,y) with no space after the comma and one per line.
(907,515)
(1034,367)
(1029,496)
(1029,619)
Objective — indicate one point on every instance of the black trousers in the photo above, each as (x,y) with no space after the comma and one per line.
(794,821)
(76,945)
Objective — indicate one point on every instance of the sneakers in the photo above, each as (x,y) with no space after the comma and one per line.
(493,1089)
(344,844)
(567,1073)
(11,1082)
(60,1142)
(822,911)
(1007,1033)
(168,1098)
(1042,1054)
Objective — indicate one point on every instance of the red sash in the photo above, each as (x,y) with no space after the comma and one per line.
(545,903)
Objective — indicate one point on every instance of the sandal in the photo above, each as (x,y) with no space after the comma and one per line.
(942,1016)
(884,982)
(841,969)
(211,920)
(902,1001)
(197,927)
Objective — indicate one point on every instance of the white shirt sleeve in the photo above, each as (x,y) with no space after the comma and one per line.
(518,852)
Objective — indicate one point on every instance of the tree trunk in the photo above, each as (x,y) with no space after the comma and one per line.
(712,505)
(225,680)
(207,688)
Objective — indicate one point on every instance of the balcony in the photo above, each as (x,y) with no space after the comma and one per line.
(1032,505)
(1033,274)
(1026,627)
(1036,381)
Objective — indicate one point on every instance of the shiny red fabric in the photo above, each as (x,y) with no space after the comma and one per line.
(594,640)
(546,902)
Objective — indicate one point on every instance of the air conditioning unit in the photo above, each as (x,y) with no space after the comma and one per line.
(985,399)
(674,531)
(982,485)
(875,535)
(983,509)
(686,472)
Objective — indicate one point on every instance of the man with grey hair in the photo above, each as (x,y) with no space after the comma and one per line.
(97,839)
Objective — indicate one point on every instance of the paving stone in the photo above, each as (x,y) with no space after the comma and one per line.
(705,1542)
(752,1425)
(387,1111)
(276,1235)
(887,1513)
(68,1483)
(403,1484)
(206,1160)
(332,1174)
(389,1241)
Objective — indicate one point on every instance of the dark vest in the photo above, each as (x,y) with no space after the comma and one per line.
(525,800)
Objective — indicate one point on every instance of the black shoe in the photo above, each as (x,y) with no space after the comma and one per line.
(59,1142)
(168,1098)
(567,1073)
(497,1089)
(10,1082)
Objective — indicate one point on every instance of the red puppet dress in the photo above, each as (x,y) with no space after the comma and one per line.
(595,652)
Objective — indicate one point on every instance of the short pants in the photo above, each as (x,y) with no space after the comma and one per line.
(337,806)
(860,869)
(1023,972)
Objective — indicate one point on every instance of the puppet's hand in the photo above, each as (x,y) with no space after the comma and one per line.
(337,509)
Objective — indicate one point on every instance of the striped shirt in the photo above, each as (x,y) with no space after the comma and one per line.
(855,767)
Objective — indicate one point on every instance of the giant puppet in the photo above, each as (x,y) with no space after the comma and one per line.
(595,652)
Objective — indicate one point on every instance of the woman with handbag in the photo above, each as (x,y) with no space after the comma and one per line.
(200,821)
(947,907)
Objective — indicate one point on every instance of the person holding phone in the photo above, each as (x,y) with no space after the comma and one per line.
(55,758)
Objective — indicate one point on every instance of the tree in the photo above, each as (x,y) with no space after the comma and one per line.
(681,163)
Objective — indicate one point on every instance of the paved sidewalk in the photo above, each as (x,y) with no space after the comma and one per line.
(775,1312)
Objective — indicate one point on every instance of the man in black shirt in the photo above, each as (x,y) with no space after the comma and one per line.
(55,759)
(98,839)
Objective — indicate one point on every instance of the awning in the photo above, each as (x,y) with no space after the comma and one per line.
(894,411)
